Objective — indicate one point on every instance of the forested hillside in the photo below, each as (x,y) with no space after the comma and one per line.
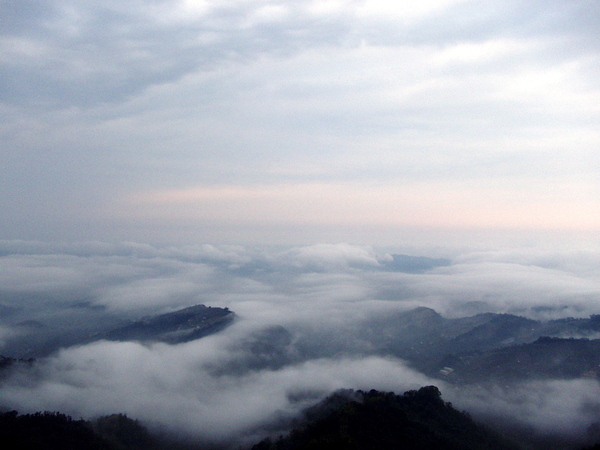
(383,420)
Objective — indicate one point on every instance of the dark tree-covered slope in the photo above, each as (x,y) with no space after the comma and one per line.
(57,431)
(48,431)
(383,420)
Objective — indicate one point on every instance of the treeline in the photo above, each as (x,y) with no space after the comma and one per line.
(57,431)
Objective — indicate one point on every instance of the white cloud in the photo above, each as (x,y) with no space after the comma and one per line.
(169,385)
(556,407)
(406,10)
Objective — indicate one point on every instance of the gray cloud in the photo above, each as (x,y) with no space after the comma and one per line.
(102,103)
(93,53)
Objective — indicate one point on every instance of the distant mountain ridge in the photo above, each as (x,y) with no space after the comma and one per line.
(488,345)
(480,348)
(546,358)
(183,325)
(176,327)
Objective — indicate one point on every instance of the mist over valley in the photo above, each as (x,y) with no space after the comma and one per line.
(227,345)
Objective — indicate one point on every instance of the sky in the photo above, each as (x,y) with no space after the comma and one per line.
(370,122)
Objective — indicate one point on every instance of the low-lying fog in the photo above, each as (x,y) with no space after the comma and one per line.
(214,387)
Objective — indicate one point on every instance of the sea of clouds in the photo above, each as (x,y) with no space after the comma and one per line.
(212,388)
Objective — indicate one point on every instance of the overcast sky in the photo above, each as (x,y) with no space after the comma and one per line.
(371,122)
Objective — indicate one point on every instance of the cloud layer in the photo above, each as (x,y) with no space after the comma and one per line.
(249,379)
(177,120)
